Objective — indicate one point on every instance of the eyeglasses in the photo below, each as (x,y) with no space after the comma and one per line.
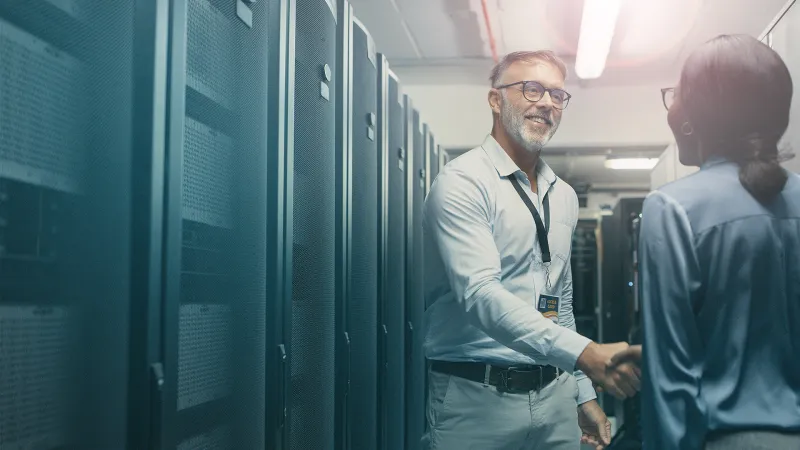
(533,92)
(668,97)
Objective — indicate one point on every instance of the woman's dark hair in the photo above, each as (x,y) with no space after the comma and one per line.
(736,93)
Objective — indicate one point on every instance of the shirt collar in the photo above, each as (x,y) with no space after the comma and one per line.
(505,166)
(713,161)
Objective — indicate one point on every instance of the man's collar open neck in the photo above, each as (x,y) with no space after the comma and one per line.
(524,159)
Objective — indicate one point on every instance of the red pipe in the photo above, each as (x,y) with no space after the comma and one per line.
(492,44)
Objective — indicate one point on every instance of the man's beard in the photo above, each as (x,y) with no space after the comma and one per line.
(517,128)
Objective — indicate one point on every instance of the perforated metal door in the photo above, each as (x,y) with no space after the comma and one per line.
(415,300)
(363,306)
(67,169)
(217,319)
(312,384)
(394,296)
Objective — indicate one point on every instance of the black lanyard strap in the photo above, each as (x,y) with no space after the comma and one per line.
(541,228)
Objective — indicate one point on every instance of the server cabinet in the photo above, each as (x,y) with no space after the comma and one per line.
(432,156)
(616,273)
(312,205)
(416,375)
(444,158)
(216,206)
(585,277)
(80,214)
(392,307)
(362,307)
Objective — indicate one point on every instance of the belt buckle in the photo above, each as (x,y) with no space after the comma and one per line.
(505,378)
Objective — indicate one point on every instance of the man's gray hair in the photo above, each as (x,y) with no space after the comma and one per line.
(546,56)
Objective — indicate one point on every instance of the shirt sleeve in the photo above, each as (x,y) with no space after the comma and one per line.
(456,216)
(672,415)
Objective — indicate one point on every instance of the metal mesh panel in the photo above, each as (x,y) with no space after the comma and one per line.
(221,331)
(65,204)
(394,309)
(313,268)
(415,301)
(43,83)
(363,307)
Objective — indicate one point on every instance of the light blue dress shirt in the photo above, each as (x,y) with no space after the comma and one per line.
(484,270)
(720,309)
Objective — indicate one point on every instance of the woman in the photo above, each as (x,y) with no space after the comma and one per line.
(720,262)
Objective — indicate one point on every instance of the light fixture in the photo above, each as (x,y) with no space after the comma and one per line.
(598,22)
(631,163)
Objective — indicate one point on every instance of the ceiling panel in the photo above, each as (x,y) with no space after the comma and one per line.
(387,27)
(729,17)
(443,28)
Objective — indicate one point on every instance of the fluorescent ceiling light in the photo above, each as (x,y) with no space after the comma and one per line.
(597,30)
(631,163)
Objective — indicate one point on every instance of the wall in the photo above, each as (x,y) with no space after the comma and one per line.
(786,41)
(599,116)
(669,168)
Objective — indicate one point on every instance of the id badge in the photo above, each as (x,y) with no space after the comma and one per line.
(548,306)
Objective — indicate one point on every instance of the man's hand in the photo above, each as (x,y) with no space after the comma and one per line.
(620,381)
(594,424)
(631,359)
(631,355)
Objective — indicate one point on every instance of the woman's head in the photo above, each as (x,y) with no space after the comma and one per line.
(733,101)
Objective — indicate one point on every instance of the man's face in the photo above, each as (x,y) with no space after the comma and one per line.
(530,124)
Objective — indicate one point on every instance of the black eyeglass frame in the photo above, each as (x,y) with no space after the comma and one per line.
(664,92)
(549,91)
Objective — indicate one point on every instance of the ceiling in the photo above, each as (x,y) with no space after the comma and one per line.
(446,42)
(435,41)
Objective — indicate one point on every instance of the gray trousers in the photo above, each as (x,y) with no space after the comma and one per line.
(464,415)
(755,440)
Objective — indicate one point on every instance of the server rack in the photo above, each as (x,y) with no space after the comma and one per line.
(617,285)
(585,277)
(444,158)
(416,374)
(80,215)
(312,222)
(362,307)
(383,220)
(432,152)
(392,310)
(215,329)
(343,79)
(629,435)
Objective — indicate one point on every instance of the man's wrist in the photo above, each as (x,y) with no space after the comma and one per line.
(586,392)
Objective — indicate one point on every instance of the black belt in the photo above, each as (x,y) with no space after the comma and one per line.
(511,379)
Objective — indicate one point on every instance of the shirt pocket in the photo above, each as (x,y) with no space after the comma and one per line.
(560,239)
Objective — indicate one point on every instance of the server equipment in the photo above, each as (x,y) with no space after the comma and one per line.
(313,211)
(629,434)
(415,295)
(432,156)
(617,290)
(444,158)
(81,165)
(392,285)
(585,277)
(215,332)
(362,306)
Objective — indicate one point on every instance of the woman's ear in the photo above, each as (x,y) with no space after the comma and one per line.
(689,147)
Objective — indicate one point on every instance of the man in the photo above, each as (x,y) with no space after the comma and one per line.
(500,332)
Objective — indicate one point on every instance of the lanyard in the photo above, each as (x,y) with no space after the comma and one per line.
(541,228)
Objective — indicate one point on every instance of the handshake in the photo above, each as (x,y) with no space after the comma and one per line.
(613,368)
